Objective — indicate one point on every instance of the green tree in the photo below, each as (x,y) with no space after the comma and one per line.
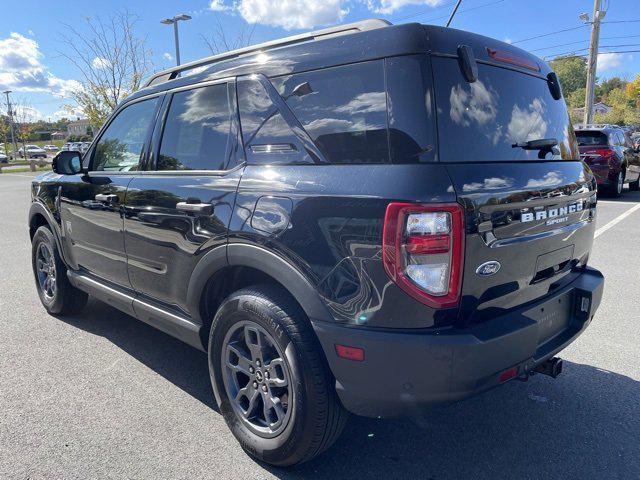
(113,60)
(624,110)
(572,72)
(605,87)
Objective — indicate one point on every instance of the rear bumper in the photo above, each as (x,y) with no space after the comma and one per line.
(404,373)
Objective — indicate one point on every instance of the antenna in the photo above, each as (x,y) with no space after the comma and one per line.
(455,9)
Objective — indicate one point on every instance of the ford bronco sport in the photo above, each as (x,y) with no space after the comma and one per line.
(369,218)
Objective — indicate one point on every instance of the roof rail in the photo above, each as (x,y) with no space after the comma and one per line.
(171,73)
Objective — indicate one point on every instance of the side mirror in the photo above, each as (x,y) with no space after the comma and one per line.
(67,163)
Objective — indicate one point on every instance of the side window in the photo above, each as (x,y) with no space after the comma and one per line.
(120,146)
(267,137)
(197,132)
(343,109)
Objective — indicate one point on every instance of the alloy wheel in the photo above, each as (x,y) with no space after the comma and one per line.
(257,379)
(46,270)
(619,183)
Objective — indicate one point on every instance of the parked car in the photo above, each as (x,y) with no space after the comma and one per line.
(84,146)
(611,156)
(3,158)
(32,151)
(51,148)
(66,147)
(306,223)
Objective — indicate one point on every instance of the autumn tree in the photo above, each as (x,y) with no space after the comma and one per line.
(112,59)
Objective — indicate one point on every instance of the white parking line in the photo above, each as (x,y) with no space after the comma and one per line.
(615,221)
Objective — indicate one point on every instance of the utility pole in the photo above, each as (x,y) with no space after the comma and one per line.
(10,115)
(592,64)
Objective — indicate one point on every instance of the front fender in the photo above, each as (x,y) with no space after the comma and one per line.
(39,209)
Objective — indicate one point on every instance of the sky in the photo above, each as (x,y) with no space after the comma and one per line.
(32,64)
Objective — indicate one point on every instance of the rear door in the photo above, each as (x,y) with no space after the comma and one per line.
(529,212)
(180,209)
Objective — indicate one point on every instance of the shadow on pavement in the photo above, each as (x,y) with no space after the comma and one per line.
(626,196)
(583,425)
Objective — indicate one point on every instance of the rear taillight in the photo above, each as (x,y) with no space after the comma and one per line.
(423,251)
(600,154)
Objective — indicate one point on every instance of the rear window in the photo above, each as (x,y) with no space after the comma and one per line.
(586,139)
(481,121)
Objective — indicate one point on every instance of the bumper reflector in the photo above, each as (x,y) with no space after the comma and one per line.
(508,374)
(350,353)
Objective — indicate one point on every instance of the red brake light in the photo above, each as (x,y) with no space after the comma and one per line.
(513,59)
(423,251)
(600,152)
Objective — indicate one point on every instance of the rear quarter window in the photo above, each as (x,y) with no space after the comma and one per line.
(481,121)
(344,110)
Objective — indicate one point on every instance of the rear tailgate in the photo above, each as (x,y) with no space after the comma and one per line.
(539,228)
(529,207)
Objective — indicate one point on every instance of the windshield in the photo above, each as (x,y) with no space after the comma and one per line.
(483,120)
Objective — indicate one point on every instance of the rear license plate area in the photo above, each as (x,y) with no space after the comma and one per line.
(553,317)
(552,263)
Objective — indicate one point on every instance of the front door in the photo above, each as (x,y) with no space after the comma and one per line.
(179,211)
(91,202)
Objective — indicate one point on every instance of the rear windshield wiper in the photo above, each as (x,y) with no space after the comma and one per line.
(541,144)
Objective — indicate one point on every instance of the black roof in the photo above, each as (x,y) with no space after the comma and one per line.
(389,41)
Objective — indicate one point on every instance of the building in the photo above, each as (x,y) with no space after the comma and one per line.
(598,109)
(79,127)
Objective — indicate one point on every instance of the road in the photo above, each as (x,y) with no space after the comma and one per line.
(106,396)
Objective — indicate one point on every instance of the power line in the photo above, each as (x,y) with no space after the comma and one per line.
(622,21)
(583,41)
(447,16)
(550,33)
(572,55)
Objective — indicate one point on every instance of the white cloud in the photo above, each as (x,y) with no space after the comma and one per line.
(508,40)
(219,6)
(99,63)
(68,111)
(607,61)
(22,71)
(293,14)
(167,56)
(386,7)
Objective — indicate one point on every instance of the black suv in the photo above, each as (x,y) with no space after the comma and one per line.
(369,218)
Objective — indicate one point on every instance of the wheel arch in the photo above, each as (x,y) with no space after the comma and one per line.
(242,265)
(40,216)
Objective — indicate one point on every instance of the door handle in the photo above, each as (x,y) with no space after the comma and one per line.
(109,199)
(201,208)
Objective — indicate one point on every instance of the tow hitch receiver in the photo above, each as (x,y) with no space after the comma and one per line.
(551,367)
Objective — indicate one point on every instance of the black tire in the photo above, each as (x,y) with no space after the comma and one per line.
(63,298)
(317,417)
(634,186)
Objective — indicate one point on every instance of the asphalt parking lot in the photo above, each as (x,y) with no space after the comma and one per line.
(106,396)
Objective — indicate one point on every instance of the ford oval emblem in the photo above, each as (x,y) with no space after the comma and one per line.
(488,268)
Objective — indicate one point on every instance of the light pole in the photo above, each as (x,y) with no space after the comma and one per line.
(10,115)
(174,21)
